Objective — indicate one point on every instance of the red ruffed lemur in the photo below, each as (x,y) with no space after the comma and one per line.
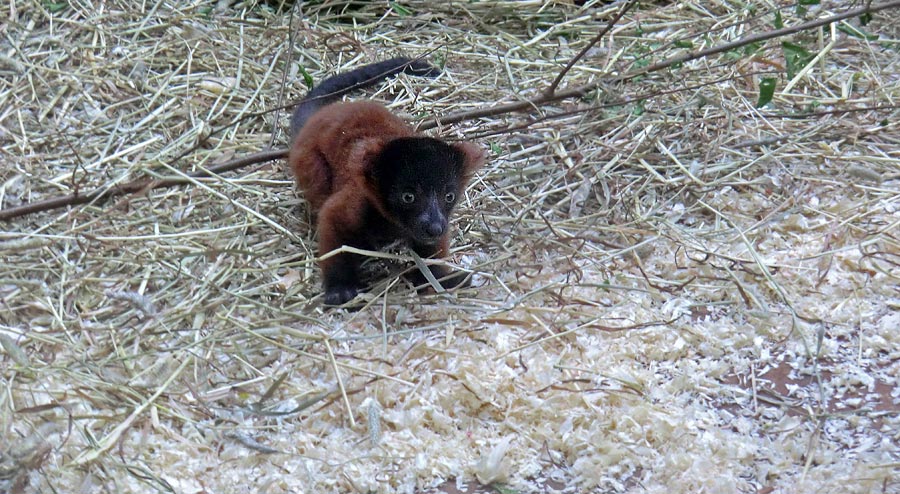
(372,179)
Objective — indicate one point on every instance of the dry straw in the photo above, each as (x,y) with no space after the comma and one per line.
(675,290)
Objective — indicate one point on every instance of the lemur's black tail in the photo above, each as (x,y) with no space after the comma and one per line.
(336,86)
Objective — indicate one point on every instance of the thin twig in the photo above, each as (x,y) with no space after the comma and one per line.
(620,102)
(612,22)
(579,91)
(288,61)
(100,195)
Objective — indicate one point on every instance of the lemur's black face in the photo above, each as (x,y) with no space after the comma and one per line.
(420,180)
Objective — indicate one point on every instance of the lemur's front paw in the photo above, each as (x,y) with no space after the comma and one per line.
(340,294)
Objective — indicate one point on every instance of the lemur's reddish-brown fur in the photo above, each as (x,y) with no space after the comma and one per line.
(351,160)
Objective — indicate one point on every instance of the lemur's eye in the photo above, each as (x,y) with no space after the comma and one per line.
(408,197)
(450,197)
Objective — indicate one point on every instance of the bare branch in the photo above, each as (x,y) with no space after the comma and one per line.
(102,194)
(612,22)
(586,88)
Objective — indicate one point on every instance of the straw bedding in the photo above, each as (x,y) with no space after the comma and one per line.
(675,291)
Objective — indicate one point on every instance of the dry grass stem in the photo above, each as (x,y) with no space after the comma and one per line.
(673,290)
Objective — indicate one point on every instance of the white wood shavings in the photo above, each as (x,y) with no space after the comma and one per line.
(713,312)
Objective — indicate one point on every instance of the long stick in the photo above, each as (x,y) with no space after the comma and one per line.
(609,25)
(135,186)
(579,91)
(99,195)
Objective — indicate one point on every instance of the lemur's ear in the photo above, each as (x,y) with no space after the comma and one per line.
(473,157)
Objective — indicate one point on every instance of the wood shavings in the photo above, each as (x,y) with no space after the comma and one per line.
(670,296)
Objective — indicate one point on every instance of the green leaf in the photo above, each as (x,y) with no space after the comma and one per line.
(865,18)
(809,2)
(307,79)
(684,44)
(744,51)
(766,91)
(638,109)
(779,22)
(856,32)
(400,10)
(55,7)
(496,149)
(796,57)
(751,48)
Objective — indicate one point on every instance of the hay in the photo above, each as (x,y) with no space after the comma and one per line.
(675,291)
